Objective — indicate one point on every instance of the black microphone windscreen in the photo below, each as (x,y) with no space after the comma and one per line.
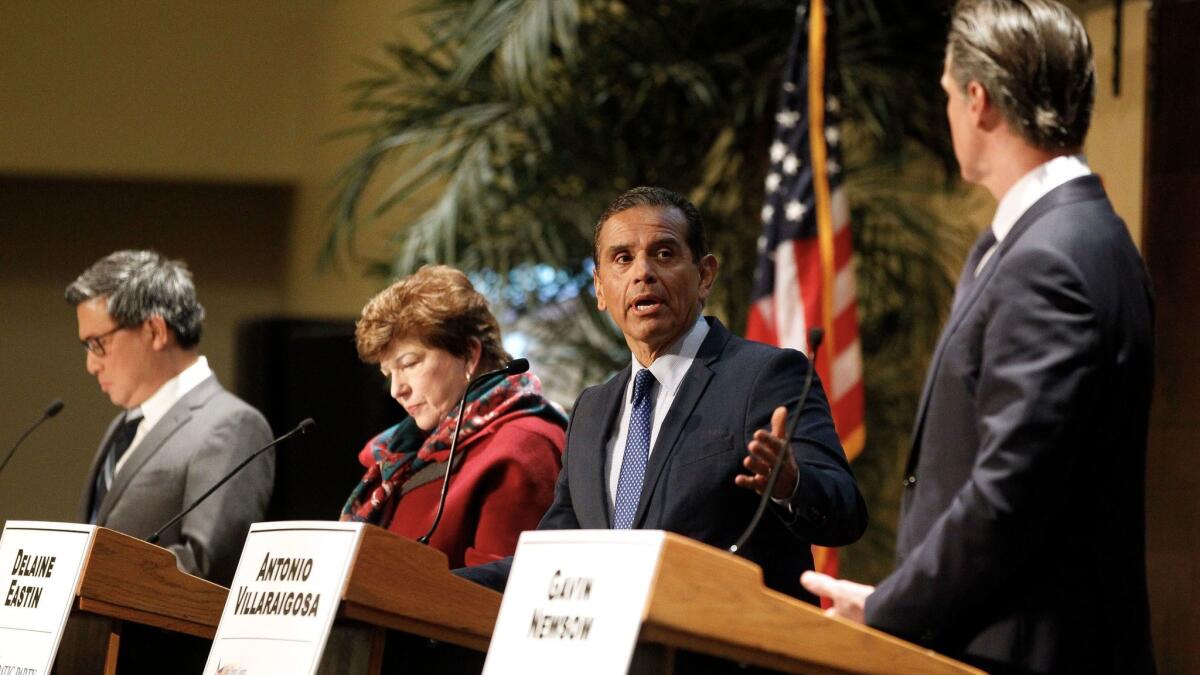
(815,335)
(306,425)
(517,366)
(54,408)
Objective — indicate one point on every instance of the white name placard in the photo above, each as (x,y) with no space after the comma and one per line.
(575,599)
(283,598)
(40,566)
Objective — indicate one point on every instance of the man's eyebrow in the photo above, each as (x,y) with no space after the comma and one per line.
(664,240)
(616,248)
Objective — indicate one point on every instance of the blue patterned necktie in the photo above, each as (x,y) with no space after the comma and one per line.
(637,451)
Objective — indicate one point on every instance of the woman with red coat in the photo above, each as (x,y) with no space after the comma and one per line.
(430,333)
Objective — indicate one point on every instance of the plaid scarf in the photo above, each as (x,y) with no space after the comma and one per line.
(395,455)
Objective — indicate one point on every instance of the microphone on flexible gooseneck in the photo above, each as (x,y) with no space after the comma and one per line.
(301,428)
(53,409)
(514,367)
(815,335)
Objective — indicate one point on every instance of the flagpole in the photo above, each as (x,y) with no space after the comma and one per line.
(824,559)
(820,168)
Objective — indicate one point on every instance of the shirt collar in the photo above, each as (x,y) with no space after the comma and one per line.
(153,408)
(669,368)
(1032,187)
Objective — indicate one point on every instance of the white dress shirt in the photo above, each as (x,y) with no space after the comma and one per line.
(669,370)
(160,402)
(1026,191)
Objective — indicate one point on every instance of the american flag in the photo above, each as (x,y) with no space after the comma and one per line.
(805,274)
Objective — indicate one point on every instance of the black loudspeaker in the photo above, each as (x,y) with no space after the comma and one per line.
(291,369)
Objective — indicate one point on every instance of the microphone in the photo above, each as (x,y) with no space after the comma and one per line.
(53,409)
(815,335)
(514,367)
(304,427)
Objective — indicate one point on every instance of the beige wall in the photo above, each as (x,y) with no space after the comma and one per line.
(194,128)
(210,90)
(1115,145)
(347,33)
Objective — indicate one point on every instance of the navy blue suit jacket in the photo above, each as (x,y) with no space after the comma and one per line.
(1021,540)
(727,394)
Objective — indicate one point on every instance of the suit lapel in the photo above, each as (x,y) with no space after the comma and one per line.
(592,509)
(1078,189)
(952,324)
(690,391)
(152,442)
(89,490)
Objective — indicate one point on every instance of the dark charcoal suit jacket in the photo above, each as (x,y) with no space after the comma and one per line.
(204,435)
(1021,544)
(727,394)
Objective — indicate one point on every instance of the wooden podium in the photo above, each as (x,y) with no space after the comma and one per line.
(645,601)
(709,602)
(132,594)
(401,605)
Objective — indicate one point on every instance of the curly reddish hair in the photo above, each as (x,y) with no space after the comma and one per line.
(438,306)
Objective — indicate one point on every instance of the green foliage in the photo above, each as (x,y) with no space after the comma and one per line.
(524,118)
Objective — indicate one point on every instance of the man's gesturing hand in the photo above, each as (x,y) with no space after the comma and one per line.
(763,449)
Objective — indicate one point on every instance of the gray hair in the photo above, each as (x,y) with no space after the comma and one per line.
(1034,59)
(139,285)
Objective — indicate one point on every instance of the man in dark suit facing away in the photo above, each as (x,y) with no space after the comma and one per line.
(1021,544)
(682,438)
(179,430)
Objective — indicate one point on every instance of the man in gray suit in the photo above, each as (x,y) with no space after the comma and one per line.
(684,437)
(1021,544)
(179,431)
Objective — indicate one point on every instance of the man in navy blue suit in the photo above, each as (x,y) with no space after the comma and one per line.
(1021,544)
(682,439)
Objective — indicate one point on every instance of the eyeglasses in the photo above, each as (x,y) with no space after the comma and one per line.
(95,344)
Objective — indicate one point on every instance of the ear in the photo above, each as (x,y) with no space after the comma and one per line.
(600,302)
(708,266)
(474,351)
(160,334)
(979,106)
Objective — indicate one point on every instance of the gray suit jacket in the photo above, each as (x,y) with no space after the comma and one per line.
(204,435)
(1021,543)
(727,394)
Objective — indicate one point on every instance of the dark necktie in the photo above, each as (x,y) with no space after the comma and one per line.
(637,451)
(966,280)
(118,443)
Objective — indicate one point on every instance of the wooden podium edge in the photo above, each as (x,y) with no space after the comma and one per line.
(696,585)
(127,578)
(402,585)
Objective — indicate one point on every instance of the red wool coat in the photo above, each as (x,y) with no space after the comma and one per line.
(503,486)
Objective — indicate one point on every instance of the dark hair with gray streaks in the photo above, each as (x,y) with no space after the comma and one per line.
(663,198)
(141,284)
(1034,59)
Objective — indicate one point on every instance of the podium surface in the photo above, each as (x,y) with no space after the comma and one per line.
(647,601)
(429,602)
(125,578)
(699,589)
